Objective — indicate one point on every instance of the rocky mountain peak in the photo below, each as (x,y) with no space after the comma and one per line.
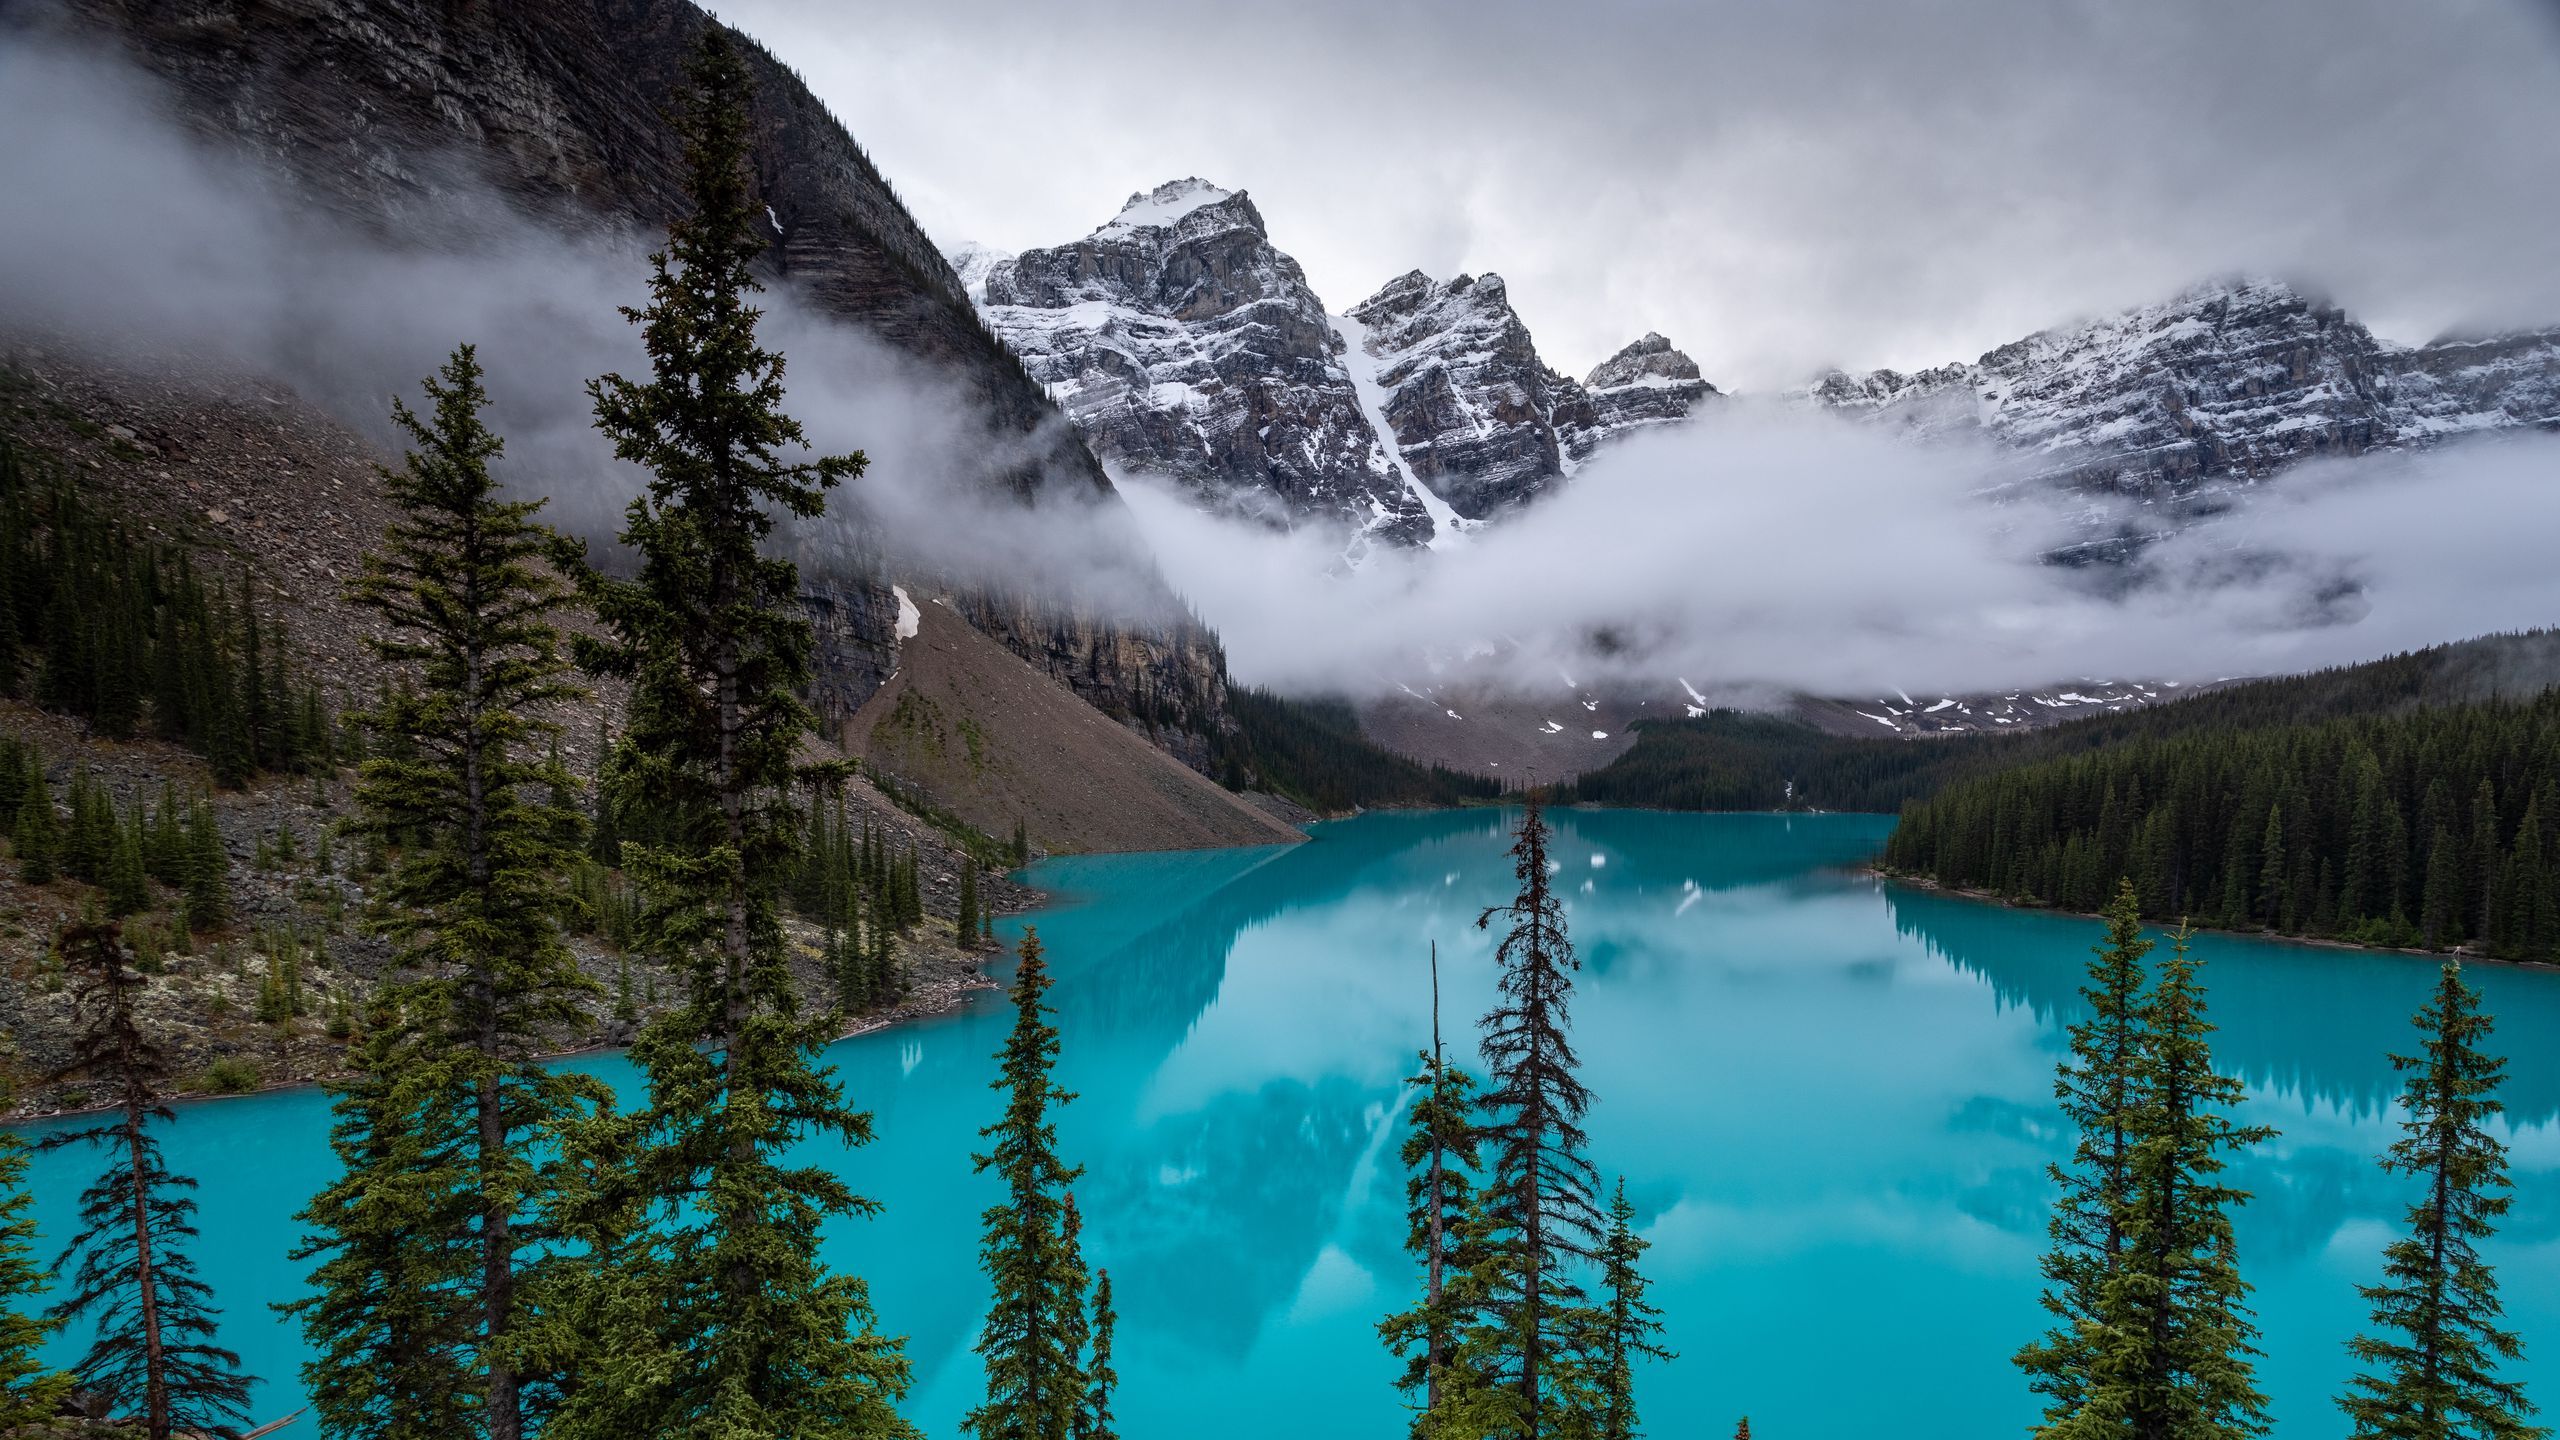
(1185,345)
(1471,409)
(1651,358)
(1168,205)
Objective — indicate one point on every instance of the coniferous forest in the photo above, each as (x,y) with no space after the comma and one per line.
(2433,826)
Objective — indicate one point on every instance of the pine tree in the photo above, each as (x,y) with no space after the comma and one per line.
(34,840)
(1541,1200)
(964,926)
(476,904)
(2095,1086)
(1439,1155)
(1093,1418)
(1629,1326)
(1032,1339)
(388,1318)
(706,1270)
(30,1390)
(2170,1359)
(153,1354)
(2436,1376)
(128,884)
(208,889)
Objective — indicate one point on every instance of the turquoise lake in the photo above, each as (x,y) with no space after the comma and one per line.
(1830,1098)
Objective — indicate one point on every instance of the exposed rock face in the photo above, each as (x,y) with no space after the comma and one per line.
(1648,383)
(2465,386)
(394,113)
(2219,387)
(1182,343)
(1469,406)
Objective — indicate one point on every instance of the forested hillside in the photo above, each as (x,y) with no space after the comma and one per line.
(2431,826)
(1733,760)
(1312,752)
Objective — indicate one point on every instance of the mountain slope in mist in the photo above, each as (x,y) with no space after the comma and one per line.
(371,181)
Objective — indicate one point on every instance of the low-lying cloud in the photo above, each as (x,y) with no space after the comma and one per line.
(1763,549)
(128,239)
(1756,551)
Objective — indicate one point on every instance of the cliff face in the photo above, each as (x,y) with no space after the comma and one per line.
(399,115)
(1185,345)
(2221,386)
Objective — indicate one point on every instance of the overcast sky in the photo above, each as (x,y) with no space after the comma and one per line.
(1778,187)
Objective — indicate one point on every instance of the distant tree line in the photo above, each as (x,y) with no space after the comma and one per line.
(1312,752)
(1746,760)
(100,621)
(2436,826)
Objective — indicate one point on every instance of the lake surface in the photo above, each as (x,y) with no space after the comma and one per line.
(1831,1100)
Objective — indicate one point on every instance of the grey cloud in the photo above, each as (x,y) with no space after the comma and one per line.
(1778,187)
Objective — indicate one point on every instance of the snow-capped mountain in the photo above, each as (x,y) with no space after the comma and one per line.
(2181,402)
(1646,384)
(1467,403)
(1183,343)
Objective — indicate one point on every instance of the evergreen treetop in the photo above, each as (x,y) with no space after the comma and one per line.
(2437,1343)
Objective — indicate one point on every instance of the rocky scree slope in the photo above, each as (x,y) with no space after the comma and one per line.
(402,115)
(1185,344)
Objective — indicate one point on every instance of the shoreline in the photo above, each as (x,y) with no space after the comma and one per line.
(939,999)
(2324,942)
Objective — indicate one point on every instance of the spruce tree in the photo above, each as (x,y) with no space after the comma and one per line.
(1440,1158)
(34,841)
(463,1116)
(2170,1357)
(153,1354)
(964,926)
(1093,1418)
(2438,1345)
(30,1390)
(1541,1200)
(1629,1326)
(1032,1339)
(2094,1084)
(208,888)
(389,1318)
(722,1319)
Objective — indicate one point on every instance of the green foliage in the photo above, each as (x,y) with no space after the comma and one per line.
(230,1075)
(29,1389)
(1540,1201)
(1312,751)
(703,1240)
(1440,1160)
(2438,1345)
(1629,1326)
(388,1316)
(1040,1383)
(2344,828)
(451,1129)
(1738,760)
(207,903)
(2171,1339)
(153,1354)
(2094,1084)
(119,629)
